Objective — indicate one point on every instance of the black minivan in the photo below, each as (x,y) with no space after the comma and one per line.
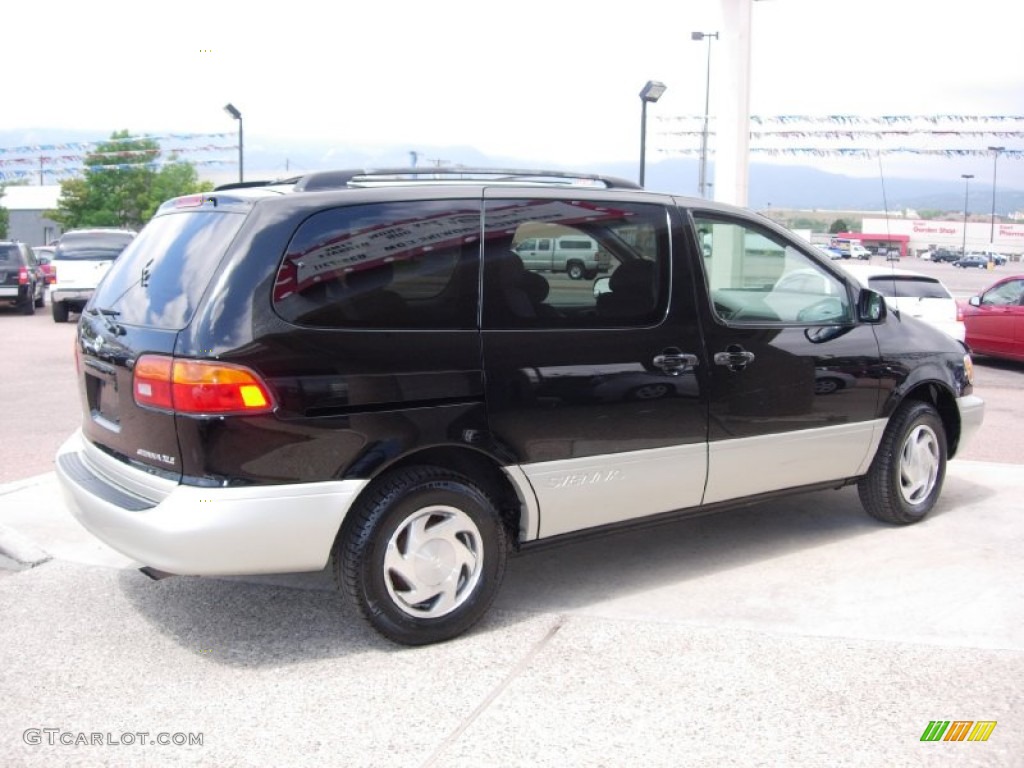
(357,368)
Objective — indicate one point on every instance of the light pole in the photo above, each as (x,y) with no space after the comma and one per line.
(995,162)
(967,181)
(703,175)
(651,92)
(233,111)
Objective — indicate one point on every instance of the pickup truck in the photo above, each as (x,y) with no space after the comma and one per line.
(576,255)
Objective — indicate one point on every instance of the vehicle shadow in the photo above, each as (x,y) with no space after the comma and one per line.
(581,574)
(669,557)
(291,618)
(250,624)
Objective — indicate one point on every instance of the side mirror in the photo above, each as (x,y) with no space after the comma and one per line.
(602,285)
(974,301)
(870,307)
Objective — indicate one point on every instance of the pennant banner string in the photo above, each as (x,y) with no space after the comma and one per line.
(1012,154)
(863,120)
(86,145)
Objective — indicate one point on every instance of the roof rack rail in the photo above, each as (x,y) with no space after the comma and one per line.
(452,175)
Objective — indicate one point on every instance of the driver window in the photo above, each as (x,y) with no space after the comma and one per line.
(1006,294)
(756,276)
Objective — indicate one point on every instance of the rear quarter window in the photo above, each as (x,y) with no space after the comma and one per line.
(393,265)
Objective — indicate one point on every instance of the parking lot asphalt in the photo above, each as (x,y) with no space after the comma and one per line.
(797,632)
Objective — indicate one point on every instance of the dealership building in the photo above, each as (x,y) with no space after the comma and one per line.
(914,236)
(26,213)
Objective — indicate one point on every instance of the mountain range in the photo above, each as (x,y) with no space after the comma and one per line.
(770,185)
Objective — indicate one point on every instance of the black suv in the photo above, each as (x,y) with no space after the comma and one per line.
(357,368)
(944,254)
(22,282)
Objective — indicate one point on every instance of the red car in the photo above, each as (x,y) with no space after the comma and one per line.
(995,320)
(45,255)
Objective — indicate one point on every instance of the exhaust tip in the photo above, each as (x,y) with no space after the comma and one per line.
(155,574)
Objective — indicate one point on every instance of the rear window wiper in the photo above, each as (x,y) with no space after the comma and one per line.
(108,316)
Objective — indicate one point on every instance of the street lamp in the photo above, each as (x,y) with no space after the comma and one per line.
(233,111)
(967,180)
(995,161)
(702,177)
(651,93)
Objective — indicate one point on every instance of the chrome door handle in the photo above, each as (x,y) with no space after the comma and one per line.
(674,361)
(735,357)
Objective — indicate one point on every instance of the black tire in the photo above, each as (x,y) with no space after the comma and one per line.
(906,476)
(41,301)
(60,311)
(382,528)
(575,270)
(28,306)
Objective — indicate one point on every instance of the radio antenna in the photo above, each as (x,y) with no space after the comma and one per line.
(888,233)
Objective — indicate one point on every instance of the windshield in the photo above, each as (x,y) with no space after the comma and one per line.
(92,246)
(159,279)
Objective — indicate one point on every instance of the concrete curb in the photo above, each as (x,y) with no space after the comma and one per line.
(15,546)
(19,485)
(20,549)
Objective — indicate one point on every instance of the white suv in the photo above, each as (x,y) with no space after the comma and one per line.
(918,295)
(82,258)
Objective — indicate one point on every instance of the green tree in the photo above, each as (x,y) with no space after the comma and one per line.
(175,178)
(930,213)
(5,220)
(127,194)
(803,222)
(839,225)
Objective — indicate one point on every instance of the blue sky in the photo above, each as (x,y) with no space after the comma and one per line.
(548,82)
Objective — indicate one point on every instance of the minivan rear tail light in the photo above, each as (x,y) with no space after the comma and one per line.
(151,384)
(22,276)
(198,387)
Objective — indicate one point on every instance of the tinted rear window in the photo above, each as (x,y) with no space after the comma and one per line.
(392,265)
(902,287)
(159,279)
(92,246)
(9,255)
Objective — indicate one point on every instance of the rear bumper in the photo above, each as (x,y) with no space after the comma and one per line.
(13,292)
(188,530)
(972,412)
(71,294)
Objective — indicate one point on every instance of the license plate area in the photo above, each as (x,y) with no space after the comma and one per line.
(102,394)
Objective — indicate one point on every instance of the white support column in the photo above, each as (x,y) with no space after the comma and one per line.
(732,94)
